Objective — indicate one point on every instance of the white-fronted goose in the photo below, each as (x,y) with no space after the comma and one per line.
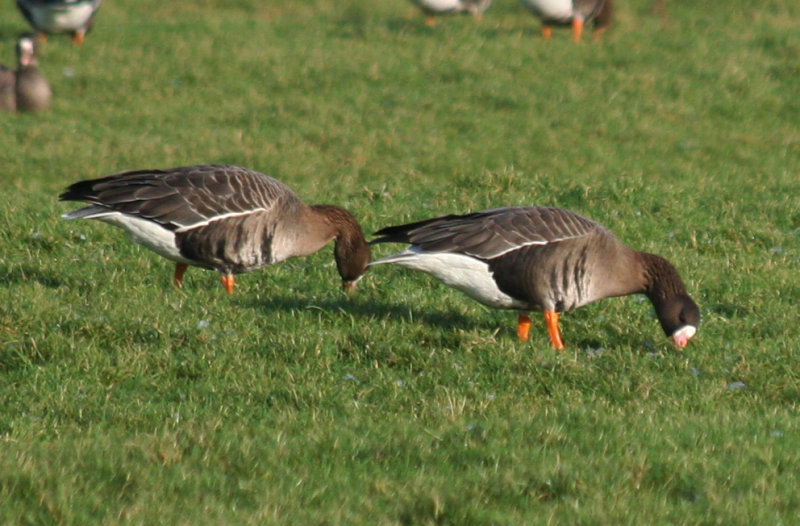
(221,217)
(572,12)
(544,259)
(431,8)
(25,89)
(60,16)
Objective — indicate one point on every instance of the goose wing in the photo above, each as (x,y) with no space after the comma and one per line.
(181,198)
(490,233)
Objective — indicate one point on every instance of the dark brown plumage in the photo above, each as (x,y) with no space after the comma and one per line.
(540,258)
(24,89)
(221,217)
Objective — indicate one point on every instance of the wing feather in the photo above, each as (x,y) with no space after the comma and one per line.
(491,233)
(184,197)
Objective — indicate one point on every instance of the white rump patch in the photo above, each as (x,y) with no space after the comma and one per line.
(440,5)
(551,9)
(467,274)
(145,232)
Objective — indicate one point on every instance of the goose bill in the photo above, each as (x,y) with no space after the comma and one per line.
(682,336)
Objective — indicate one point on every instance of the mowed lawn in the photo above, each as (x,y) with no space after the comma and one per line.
(126,401)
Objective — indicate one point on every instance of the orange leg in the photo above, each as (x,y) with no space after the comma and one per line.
(523,327)
(547,32)
(77,38)
(430,21)
(41,37)
(551,320)
(577,29)
(180,270)
(227,282)
(598,34)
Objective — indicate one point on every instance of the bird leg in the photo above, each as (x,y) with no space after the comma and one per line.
(77,38)
(547,32)
(551,320)
(523,327)
(227,282)
(180,270)
(577,28)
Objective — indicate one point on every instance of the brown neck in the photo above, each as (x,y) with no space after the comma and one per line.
(351,250)
(662,279)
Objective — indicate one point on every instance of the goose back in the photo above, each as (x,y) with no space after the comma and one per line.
(50,16)
(544,258)
(32,90)
(541,258)
(8,95)
(220,217)
(25,89)
(563,11)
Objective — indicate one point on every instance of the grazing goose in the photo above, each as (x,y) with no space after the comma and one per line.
(60,16)
(436,7)
(544,259)
(25,89)
(573,12)
(221,217)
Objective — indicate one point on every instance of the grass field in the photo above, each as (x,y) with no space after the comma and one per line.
(125,401)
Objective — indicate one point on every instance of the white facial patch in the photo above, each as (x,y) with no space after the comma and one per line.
(682,336)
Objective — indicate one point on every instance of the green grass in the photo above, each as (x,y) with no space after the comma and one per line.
(124,401)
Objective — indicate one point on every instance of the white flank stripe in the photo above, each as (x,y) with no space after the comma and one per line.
(512,248)
(220,217)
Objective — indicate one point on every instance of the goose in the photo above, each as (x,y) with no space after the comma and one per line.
(60,16)
(435,7)
(573,12)
(221,217)
(540,259)
(25,89)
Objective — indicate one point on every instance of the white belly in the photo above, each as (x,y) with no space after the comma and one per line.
(147,233)
(550,9)
(469,275)
(53,20)
(439,5)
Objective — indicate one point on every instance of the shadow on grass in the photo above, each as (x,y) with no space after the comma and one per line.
(17,274)
(370,308)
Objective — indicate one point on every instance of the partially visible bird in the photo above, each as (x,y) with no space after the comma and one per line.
(25,89)
(431,8)
(221,217)
(543,259)
(60,16)
(572,12)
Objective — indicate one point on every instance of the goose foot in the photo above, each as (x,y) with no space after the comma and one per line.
(577,29)
(180,270)
(551,320)
(227,282)
(523,327)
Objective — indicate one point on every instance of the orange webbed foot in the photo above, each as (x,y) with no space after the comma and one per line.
(551,320)
(227,282)
(577,29)
(523,327)
(180,270)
